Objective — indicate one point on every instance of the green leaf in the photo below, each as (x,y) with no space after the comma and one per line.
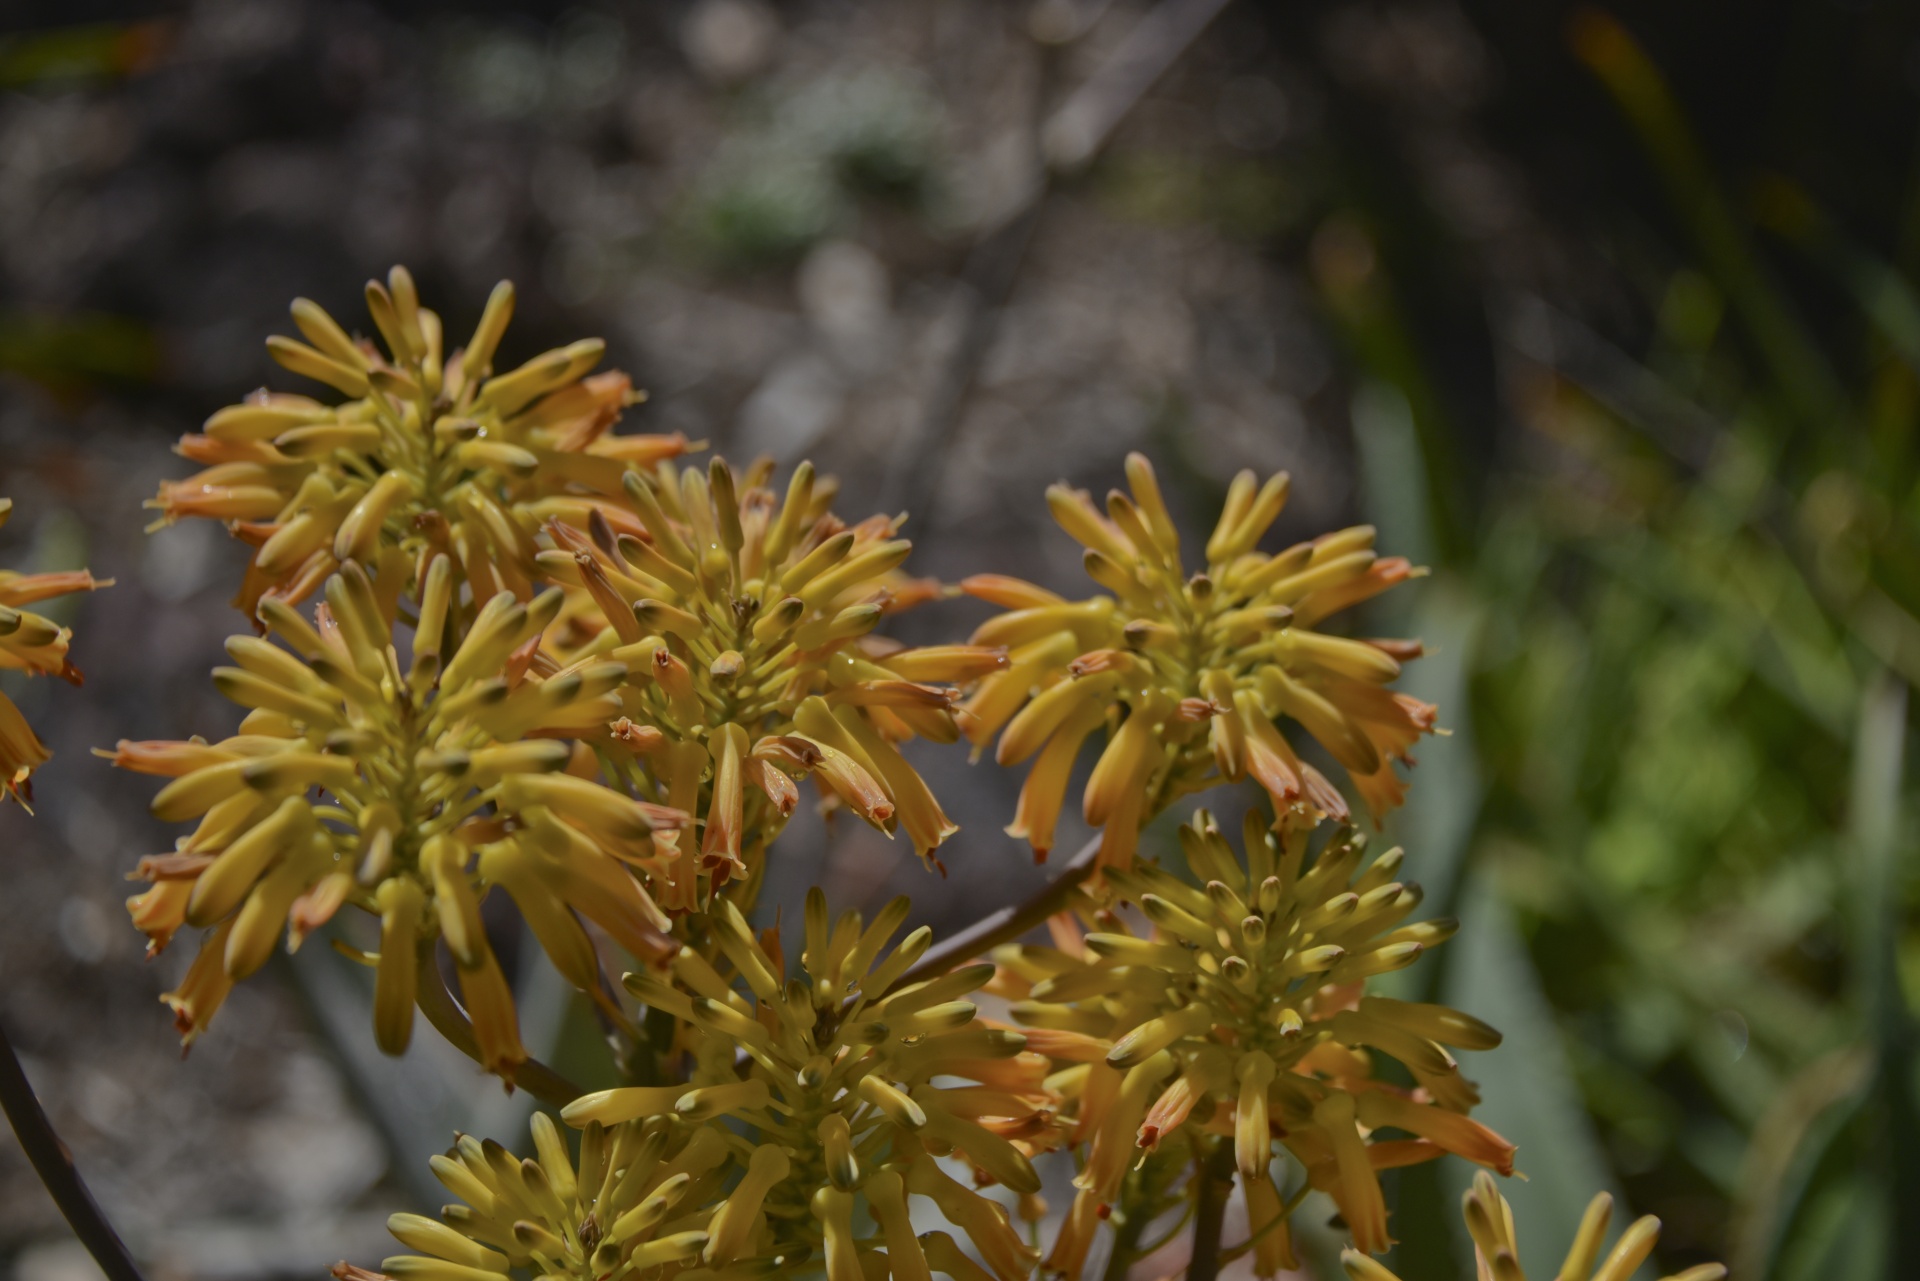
(1528,1090)
(1438,819)
(1891,1159)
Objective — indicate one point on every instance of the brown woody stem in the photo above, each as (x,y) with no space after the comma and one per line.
(54,1164)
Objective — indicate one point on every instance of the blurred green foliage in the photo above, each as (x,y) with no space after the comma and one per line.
(1696,624)
(62,56)
(775,190)
(68,353)
(1247,199)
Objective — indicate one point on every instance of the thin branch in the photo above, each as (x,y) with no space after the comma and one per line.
(1008,923)
(450,1020)
(1067,140)
(54,1164)
(986,283)
(1083,124)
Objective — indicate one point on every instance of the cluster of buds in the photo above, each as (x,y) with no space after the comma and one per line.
(810,1107)
(827,1083)
(1243,1013)
(35,644)
(432,454)
(1490,1223)
(744,621)
(407,793)
(638,1204)
(1189,676)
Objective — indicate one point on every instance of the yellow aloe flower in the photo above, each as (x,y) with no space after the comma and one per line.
(431,453)
(826,1080)
(406,793)
(637,1204)
(1243,1016)
(1189,676)
(1490,1223)
(744,620)
(35,644)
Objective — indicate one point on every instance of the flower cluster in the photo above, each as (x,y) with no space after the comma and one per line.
(407,793)
(1490,1223)
(1189,675)
(32,643)
(828,1080)
(810,1108)
(744,620)
(432,454)
(1243,1013)
(555,661)
(637,1204)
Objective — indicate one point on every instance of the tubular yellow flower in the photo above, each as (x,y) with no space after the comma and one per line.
(34,644)
(1243,1015)
(834,1098)
(1190,675)
(434,784)
(637,1203)
(1490,1223)
(744,620)
(431,453)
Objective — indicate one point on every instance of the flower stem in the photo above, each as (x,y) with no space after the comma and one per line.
(54,1164)
(1215,1175)
(1008,923)
(1126,1247)
(451,1022)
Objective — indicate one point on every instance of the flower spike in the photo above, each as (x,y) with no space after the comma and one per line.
(745,623)
(431,453)
(407,794)
(811,1114)
(37,645)
(1243,1014)
(1191,675)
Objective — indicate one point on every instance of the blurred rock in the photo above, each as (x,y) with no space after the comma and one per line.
(728,41)
(1251,113)
(843,291)
(312,1151)
(785,416)
(56,1260)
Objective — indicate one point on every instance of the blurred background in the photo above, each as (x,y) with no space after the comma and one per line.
(1607,315)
